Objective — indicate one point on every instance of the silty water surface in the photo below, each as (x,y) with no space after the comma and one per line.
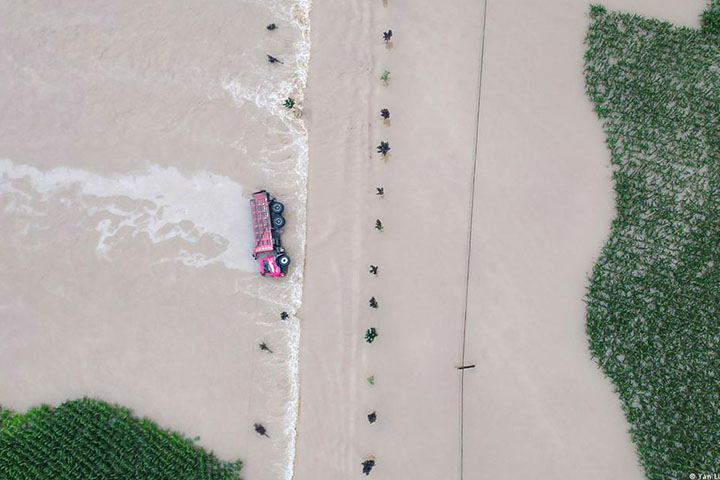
(130,141)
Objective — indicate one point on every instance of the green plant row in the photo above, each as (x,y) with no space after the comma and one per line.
(653,305)
(89,439)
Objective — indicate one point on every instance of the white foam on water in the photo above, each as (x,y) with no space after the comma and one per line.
(301,20)
(169,205)
(269,97)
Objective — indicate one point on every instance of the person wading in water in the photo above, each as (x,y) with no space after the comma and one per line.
(261,430)
(368,465)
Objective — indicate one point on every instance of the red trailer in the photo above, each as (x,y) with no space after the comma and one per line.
(268,221)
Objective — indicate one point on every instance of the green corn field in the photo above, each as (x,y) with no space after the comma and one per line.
(92,440)
(653,305)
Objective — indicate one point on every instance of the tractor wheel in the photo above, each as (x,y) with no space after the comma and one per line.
(277,207)
(283,261)
(278,221)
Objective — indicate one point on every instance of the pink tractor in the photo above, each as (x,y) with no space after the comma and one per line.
(267,221)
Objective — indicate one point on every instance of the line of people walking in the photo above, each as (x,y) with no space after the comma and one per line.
(371,333)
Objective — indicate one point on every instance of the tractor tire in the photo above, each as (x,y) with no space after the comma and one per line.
(283,261)
(277,207)
(278,221)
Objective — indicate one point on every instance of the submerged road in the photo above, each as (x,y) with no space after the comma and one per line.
(422,252)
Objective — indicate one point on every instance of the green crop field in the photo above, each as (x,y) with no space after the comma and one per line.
(88,439)
(653,305)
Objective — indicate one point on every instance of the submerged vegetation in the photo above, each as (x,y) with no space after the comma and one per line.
(92,440)
(653,306)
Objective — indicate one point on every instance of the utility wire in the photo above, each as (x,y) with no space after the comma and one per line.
(469,243)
